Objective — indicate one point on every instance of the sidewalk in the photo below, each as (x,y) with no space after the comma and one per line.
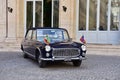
(9,46)
(108,50)
(7,49)
(103,47)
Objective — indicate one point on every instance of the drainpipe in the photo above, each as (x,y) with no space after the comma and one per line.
(6,18)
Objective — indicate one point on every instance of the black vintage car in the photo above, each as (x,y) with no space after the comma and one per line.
(52,44)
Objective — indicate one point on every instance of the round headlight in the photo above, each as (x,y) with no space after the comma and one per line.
(83,47)
(47,48)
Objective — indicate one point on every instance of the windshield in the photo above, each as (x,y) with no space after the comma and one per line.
(52,35)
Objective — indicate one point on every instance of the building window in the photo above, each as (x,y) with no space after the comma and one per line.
(38,14)
(82,14)
(29,14)
(56,13)
(115,14)
(92,15)
(103,15)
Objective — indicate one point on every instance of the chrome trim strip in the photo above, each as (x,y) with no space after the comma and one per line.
(64,59)
(39,52)
(39,49)
(29,54)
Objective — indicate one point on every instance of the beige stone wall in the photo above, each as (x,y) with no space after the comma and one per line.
(12,17)
(68,18)
(2,20)
(73,18)
(16,19)
(20,19)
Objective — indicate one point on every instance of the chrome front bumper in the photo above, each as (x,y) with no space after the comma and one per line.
(63,59)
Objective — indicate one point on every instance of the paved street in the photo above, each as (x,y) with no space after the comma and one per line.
(100,65)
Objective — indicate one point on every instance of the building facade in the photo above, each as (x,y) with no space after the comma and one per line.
(97,20)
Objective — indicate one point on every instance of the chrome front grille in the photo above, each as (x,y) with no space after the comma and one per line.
(65,52)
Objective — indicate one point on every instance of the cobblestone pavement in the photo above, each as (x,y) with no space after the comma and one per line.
(97,67)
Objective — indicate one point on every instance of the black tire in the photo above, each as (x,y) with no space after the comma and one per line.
(25,55)
(41,63)
(22,48)
(77,63)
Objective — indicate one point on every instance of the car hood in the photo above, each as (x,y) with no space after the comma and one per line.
(64,45)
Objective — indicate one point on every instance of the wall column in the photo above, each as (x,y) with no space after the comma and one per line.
(67,16)
(12,19)
(2,20)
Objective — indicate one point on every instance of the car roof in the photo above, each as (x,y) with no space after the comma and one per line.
(35,28)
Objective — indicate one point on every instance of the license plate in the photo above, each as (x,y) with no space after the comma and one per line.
(67,59)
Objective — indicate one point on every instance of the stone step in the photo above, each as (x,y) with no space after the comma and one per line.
(103,47)
(16,45)
(94,46)
(9,44)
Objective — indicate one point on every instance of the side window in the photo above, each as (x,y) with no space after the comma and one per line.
(29,34)
(65,34)
(34,35)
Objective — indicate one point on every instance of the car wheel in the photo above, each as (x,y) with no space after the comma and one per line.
(77,63)
(25,55)
(41,63)
(22,47)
